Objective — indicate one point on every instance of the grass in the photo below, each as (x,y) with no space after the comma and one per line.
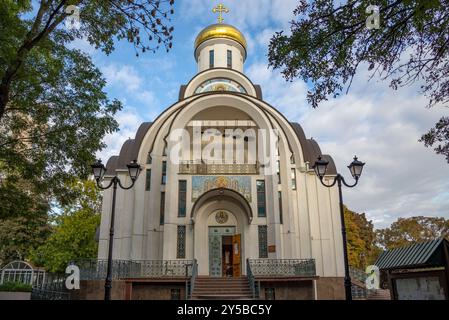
(15,287)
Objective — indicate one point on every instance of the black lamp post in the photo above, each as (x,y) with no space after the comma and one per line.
(99,170)
(355,168)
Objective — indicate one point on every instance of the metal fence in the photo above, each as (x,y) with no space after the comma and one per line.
(357,274)
(188,167)
(190,285)
(254,286)
(358,291)
(21,272)
(282,267)
(122,269)
(52,289)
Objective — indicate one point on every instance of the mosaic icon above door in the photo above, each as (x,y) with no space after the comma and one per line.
(202,184)
(221,217)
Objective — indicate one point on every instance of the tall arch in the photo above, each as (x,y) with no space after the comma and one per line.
(223,194)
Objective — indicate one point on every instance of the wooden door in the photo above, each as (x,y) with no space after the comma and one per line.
(236,255)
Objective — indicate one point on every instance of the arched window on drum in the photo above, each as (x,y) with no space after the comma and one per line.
(220,84)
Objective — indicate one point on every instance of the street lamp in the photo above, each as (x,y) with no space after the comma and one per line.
(356,168)
(99,170)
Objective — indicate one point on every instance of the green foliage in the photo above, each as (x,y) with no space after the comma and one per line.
(54,112)
(329,42)
(15,287)
(23,220)
(406,231)
(73,237)
(19,198)
(438,137)
(361,236)
(56,121)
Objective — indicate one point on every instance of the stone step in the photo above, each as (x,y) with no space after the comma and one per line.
(220,281)
(210,277)
(223,283)
(222,297)
(378,294)
(221,290)
(202,286)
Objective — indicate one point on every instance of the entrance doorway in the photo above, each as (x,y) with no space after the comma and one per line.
(224,252)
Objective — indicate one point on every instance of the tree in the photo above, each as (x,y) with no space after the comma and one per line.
(406,231)
(361,236)
(140,22)
(73,235)
(438,137)
(329,41)
(23,220)
(54,112)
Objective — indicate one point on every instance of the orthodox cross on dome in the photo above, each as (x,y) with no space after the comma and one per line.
(220,9)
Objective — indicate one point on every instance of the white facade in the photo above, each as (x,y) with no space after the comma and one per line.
(310,226)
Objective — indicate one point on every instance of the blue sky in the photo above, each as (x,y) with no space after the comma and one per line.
(402,178)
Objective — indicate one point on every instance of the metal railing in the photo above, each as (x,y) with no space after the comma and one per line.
(282,267)
(121,269)
(190,167)
(357,274)
(53,288)
(190,285)
(358,291)
(252,281)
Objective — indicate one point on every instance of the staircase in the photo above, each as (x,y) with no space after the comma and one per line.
(359,291)
(221,288)
(378,294)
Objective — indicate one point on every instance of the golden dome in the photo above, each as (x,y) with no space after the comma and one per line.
(220,30)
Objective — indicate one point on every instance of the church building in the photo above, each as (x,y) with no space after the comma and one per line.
(227,184)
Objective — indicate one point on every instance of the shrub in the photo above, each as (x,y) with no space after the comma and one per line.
(15,287)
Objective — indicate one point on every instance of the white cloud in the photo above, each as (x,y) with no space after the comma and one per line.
(402,178)
(124,76)
(243,14)
(129,121)
(83,45)
(131,88)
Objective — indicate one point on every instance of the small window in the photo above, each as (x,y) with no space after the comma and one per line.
(181,243)
(175,294)
(281,217)
(149,158)
(211,59)
(162,213)
(293,174)
(261,203)
(263,242)
(278,171)
(164,172)
(148,180)
(270,294)
(182,198)
(229,59)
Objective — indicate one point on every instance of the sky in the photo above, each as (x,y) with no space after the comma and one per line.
(381,126)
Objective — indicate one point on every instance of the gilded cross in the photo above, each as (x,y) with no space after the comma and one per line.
(220,9)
